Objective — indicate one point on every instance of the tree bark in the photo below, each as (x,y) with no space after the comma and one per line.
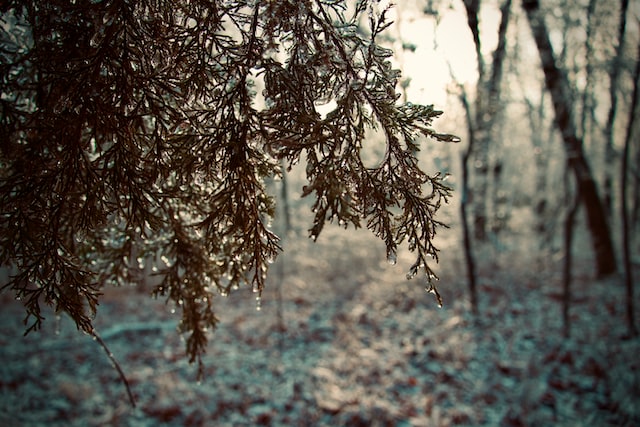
(464,201)
(614,77)
(558,86)
(626,228)
(486,110)
(568,254)
(587,97)
(478,133)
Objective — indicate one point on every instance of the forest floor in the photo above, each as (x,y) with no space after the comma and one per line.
(343,339)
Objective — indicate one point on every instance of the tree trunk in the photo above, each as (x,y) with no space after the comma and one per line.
(635,203)
(466,237)
(500,201)
(464,201)
(558,86)
(284,196)
(486,109)
(536,116)
(626,229)
(568,254)
(476,195)
(614,77)
(588,100)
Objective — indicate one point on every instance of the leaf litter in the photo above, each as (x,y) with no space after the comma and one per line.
(352,344)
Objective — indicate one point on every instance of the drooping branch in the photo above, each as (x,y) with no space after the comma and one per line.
(130,132)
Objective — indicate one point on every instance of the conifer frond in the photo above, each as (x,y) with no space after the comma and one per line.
(129,130)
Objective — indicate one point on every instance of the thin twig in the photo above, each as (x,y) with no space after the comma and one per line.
(115,363)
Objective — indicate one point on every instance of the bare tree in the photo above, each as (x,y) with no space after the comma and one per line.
(484,111)
(614,78)
(626,228)
(569,227)
(469,256)
(588,98)
(480,117)
(558,86)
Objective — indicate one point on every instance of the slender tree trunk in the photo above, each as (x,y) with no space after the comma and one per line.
(495,111)
(486,109)
(478,132)
(626,229)
(466,237)
(479,123)
(536,116)
(635,209)
(284,233)
(588,100)
(465,198)
(568,254)
(466,233)
(558,86)
(284,195)
(614,77)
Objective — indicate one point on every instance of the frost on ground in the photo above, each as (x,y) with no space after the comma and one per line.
(350,342)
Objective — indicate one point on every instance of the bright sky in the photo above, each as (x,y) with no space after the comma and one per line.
(451,43)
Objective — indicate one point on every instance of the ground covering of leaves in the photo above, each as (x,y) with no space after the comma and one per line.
(343,339)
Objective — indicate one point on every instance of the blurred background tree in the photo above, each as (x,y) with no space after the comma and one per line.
(570,89)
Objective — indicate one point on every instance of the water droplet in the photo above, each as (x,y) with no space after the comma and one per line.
(258,303)
(392,257)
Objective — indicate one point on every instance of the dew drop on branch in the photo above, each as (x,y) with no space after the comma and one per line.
(57,324)
(392,257)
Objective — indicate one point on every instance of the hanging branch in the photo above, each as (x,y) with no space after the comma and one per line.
(116,365)
(131,128)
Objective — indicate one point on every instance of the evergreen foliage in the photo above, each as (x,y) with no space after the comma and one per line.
(130,133)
